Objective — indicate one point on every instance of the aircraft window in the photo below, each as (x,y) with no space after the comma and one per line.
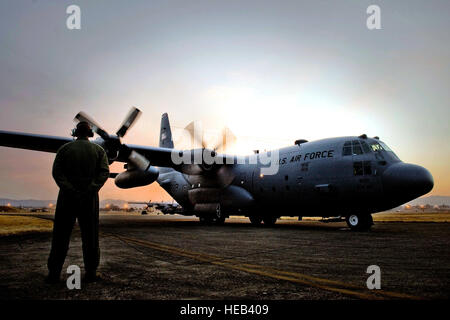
(356,147)
(367,168)
(376,147)
(347,151)
(362,168)
(365,147)
(305,166)
(385,147)
(358,168)
(357,150)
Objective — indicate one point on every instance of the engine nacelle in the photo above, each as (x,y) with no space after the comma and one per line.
(136,178)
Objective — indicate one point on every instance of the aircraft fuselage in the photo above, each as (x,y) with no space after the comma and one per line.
(329,177)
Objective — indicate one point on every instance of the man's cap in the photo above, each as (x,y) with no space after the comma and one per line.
(83,129)
(83,125)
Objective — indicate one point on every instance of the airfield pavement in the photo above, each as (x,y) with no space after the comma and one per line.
(173,257)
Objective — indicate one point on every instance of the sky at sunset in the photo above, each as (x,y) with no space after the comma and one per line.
(272,71)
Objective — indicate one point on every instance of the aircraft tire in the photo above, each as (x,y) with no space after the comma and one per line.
(270,221)
(219,217)
(359,222)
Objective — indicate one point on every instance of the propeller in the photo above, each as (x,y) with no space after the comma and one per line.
(227,138)
(112,143)
(131,118)
(209,175)
(196,133)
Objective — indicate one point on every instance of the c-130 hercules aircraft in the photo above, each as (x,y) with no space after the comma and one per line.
(339,178)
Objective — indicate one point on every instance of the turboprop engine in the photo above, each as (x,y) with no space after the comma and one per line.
(134,177)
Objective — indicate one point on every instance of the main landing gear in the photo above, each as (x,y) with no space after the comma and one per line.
(218,217)
(359,222)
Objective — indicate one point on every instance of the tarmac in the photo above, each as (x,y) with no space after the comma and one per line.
(173,257)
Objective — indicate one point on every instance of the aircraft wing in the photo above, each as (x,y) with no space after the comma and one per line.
(37,142)
(160,157)
(157,156)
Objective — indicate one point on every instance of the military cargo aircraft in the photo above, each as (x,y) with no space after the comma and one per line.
(343,178)
(164,207)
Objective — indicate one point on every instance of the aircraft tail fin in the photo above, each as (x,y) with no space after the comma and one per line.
(165,136)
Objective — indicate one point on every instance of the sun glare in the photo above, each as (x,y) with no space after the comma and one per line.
(265,121)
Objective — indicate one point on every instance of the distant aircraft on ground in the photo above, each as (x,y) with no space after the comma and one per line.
(164,207)
(346,177)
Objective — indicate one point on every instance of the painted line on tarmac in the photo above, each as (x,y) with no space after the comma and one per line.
(295,277)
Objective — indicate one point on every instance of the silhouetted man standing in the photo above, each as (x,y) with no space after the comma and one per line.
(80,169)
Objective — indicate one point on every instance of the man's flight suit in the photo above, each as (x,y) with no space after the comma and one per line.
(80,169)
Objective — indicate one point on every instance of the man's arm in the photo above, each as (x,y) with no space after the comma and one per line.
(58,172)
(102,173)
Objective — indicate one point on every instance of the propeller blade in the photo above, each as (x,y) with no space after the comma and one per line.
(129,121)
(220,178)
(81,116)
(227,138)
(197,137)
(196,132)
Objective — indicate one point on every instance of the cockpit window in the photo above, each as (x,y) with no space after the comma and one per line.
(381,146)
(376,146)
(365,147)
(347,151)
(385,147)
(355,147)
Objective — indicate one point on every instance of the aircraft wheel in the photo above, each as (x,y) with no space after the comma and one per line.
(144,212)
(269,221)
(359,222)
(255,220)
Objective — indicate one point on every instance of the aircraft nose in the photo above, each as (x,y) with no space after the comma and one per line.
(408,179)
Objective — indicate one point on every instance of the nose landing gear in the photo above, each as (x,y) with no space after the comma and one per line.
(217,217)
